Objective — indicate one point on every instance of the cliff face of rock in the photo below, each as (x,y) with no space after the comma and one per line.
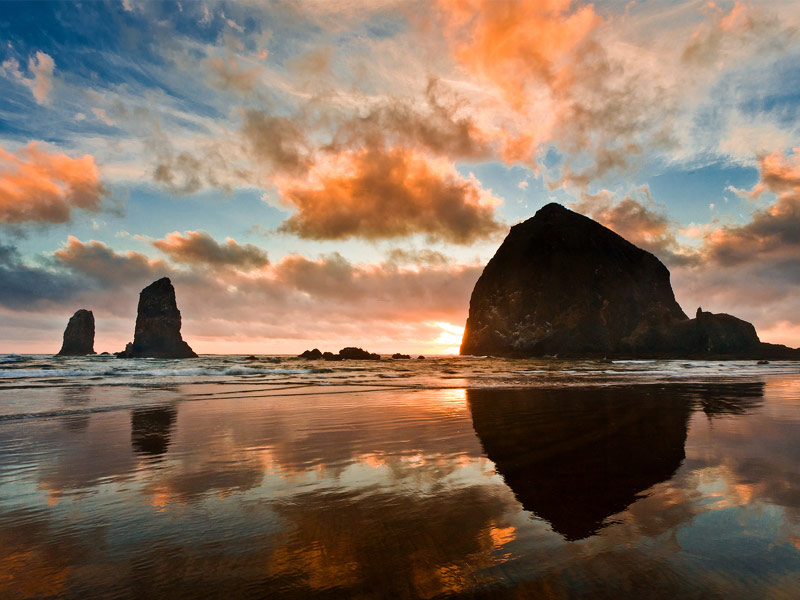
(158,325)
(79,335)
(562,284)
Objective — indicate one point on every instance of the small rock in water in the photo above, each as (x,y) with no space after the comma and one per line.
(398,356)
(314,354)
(763,362)
(352,353)
(420,357)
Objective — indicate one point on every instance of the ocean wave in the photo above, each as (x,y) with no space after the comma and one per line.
(127,372)
(11,358)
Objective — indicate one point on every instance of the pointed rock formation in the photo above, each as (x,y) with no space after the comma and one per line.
(562,284)
(79,335)
(158,325)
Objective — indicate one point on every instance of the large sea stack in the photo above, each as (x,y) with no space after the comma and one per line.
(79,335)
(562,284)
(158,325)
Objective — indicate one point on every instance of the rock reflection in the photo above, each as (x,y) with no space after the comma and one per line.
(75,398)
(151,428)
(576,456)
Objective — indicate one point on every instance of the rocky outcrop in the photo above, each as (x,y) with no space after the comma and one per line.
(158,325)
(399,356)
(562,284)
(349,353)
(79,335)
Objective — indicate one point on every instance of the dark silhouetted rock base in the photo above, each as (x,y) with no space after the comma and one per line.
(79,335)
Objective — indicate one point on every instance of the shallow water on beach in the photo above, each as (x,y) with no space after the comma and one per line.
(224,477)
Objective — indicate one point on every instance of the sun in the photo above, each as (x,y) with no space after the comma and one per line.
(451,334)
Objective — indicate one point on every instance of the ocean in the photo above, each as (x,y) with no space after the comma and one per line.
(449,477)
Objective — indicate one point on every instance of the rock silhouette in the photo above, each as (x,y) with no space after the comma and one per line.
(79,335)
(158,325)
(562,284)
(349,353)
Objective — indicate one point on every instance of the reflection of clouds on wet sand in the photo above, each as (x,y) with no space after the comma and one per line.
(390,494)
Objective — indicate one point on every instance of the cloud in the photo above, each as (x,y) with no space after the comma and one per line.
(439,122)
(564,79)
(514,43)
(41,84)
(44,187)
(610,93)
(23,287)
(773,231)
(725,33)
(399,256)
(278,143)
(436,123)
(106,267)
(228,75)
(375,193)
(199,248)
(753,270)
(638,219)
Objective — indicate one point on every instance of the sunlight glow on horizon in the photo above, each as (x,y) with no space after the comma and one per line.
(451,334)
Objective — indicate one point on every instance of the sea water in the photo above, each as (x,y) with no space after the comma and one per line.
(271,477)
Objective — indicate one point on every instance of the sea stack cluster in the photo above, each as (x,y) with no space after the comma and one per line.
(562,284)
(157,333)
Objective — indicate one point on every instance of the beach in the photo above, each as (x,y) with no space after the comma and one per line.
(448,477)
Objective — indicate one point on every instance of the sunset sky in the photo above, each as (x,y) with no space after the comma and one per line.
(329,173)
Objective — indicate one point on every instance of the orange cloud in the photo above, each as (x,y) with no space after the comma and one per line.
(380,193)
(774,230)
(199,248)
(558,80)
(44,187)
(727,32)
(514,43)
(103,264)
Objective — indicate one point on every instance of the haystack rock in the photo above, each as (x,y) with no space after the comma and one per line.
(79,335)
(562,284)
(158,325)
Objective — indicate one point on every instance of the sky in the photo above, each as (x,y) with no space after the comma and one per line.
(314,173)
